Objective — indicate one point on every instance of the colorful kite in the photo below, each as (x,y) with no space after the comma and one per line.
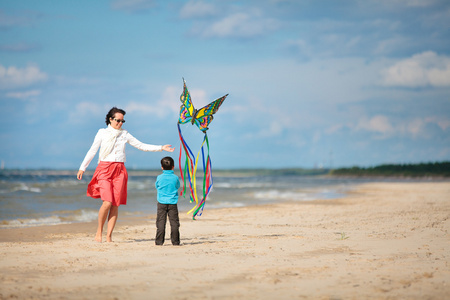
(202,118)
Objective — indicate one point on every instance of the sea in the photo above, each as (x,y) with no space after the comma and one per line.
(51,197)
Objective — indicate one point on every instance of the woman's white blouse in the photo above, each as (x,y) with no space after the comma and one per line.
(118,152)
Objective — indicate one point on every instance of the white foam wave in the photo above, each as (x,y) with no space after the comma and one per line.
(30,189)
(225,204)
(79,216)
(64,183)
(141,185)
(86,216)
(21,187)
(276,194)
(223,185)
(52,220)
(241,185)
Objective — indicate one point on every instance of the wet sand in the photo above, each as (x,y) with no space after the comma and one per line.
(382,241)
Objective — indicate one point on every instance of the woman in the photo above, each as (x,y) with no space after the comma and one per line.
(110,177)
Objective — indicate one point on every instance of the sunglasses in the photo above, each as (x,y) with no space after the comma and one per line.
(118,121)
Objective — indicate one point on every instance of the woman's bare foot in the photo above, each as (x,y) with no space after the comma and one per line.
(109,239)
(98,237)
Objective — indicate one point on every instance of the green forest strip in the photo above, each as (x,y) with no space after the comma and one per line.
(437,169)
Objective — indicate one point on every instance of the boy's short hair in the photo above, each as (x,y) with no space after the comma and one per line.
(167,163)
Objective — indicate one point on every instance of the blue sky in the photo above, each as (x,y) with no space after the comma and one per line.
(310,83)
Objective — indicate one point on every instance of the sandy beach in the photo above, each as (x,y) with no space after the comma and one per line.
(382,241)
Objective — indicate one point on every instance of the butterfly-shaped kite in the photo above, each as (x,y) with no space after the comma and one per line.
(202,118)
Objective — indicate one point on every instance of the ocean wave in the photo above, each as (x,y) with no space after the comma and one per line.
(78,216)
(52,220)
(84,215)
(20,187)
(34,198)
(141,185)
(225,204)
(65,183)
(242,185)
(330,193)
(282,195)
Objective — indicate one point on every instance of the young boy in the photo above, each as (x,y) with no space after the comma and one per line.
(167,185)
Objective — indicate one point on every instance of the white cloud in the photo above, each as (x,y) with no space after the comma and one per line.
(389,45)
(199,98)
(241,25)
(24,95)
(145,108)
(167,100)
(13,77)
(197,9)
(274,129)
(133,5)
(412,128)
(166,105)
(85,110)
(379,124)
(421,70)
(443,123)
(418,127)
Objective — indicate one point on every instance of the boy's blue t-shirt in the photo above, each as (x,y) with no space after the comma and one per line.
(167,185)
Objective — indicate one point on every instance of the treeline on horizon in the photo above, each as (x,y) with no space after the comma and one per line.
(436,169)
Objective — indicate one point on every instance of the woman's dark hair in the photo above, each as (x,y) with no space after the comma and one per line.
(167,163)
(112,112)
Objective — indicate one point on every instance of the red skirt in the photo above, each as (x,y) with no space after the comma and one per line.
(109,183)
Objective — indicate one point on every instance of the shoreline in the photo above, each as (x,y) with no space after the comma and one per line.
(40,232)
(88,215)
(380,241)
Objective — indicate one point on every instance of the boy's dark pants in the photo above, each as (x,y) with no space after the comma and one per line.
(161,218)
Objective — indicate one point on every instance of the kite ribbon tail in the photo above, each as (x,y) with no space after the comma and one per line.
(183,177)
(183,174)
(201,204)
(204,169)
(207,178)
(194,184)
(188,166)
